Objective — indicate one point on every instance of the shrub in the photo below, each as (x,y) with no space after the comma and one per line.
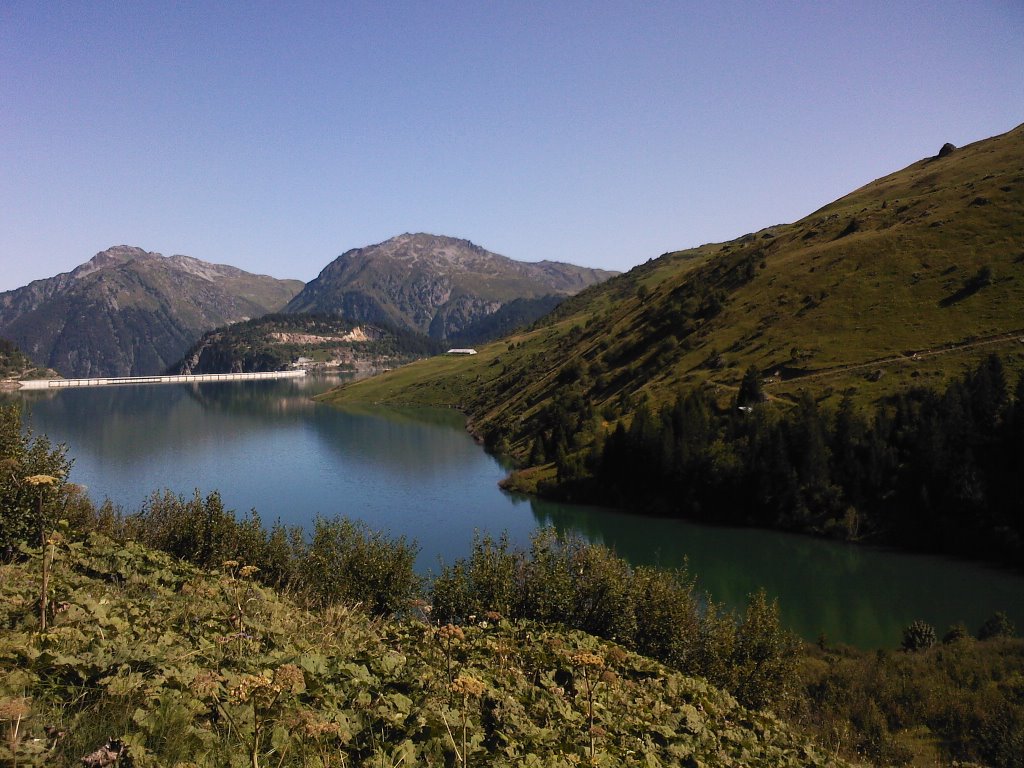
(348,562)
(26,508)
(956,633)
(764,657)
(584,586)
(343,560)
(997,625)
(918,636)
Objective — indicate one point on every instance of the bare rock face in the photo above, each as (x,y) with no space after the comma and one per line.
(128,312)
(435,285)
(947,149)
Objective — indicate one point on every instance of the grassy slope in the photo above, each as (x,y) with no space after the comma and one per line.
(840,299)
(185,665)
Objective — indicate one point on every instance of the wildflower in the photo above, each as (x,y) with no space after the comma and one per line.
(289,677)
(616,655)
(465,685)
(247,571)
(315,728)
(14,709)
(229,564)
(585,659)
(451,634)
(250,686)
(206,683)
(41,480)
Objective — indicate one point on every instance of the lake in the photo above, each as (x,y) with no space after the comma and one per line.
(266,445)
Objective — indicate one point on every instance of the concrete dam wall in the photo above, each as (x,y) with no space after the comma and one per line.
(112,381)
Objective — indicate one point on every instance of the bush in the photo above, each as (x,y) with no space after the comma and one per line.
(955,634)
(918,636)
(764,658)
(997,625)
(343,561)
(29,503)
(347,562)
(568,581)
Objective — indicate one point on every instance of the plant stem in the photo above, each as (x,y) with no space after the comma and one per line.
(44,597)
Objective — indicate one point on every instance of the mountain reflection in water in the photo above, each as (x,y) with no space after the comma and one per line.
(417,473)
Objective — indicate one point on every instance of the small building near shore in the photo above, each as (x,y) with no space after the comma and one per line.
(461,352)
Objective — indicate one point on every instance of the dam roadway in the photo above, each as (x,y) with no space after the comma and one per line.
(113,381)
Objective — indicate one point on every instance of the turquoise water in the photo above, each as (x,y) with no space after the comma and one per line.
(266,445)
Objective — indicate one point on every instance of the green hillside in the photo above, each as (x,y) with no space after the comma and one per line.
(15,364)
(274,342)
(903,285)
(927,260)
(165,664)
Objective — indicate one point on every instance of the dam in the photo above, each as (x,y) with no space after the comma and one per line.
(114,381)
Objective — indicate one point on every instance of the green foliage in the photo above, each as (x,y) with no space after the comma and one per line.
(657,613)
(927,471)
(764,655)
(962,701)
(29,510)
(13,362)
(918,636)
(348,563)
(182,666)
(997,625)
(340,561)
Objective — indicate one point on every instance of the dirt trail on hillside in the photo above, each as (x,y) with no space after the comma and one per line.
(1002,338)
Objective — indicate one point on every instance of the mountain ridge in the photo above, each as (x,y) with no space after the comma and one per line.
(434,284)
(924,259)
(127,311)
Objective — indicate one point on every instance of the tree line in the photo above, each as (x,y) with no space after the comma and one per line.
(939,471)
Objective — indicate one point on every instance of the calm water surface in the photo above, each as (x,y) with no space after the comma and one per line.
(266,446)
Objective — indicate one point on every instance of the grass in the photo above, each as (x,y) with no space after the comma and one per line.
(862,284)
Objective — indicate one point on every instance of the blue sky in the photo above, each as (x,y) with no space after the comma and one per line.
(274,136)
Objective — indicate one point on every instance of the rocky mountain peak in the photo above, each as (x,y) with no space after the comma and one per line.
(437,285)
(112,257)
(422,246)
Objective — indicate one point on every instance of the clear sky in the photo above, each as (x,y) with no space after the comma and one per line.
(274,136)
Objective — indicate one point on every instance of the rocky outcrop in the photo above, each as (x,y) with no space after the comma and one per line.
(435,285)
(129,312)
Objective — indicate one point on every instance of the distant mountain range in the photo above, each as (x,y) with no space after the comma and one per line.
(442,287)
(129,312)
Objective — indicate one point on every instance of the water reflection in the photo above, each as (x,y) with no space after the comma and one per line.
(415,472)
(855,594)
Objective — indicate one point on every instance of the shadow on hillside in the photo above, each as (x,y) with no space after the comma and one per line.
(969,288)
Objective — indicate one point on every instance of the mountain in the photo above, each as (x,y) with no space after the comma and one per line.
(439,286)
(870,327)
(903,281)
(15,365)
(129,312)
(274,342)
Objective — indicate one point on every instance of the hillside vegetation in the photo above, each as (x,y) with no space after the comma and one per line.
(158,661)
(908,282)
(15,364)
(274,342)
(183,634)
